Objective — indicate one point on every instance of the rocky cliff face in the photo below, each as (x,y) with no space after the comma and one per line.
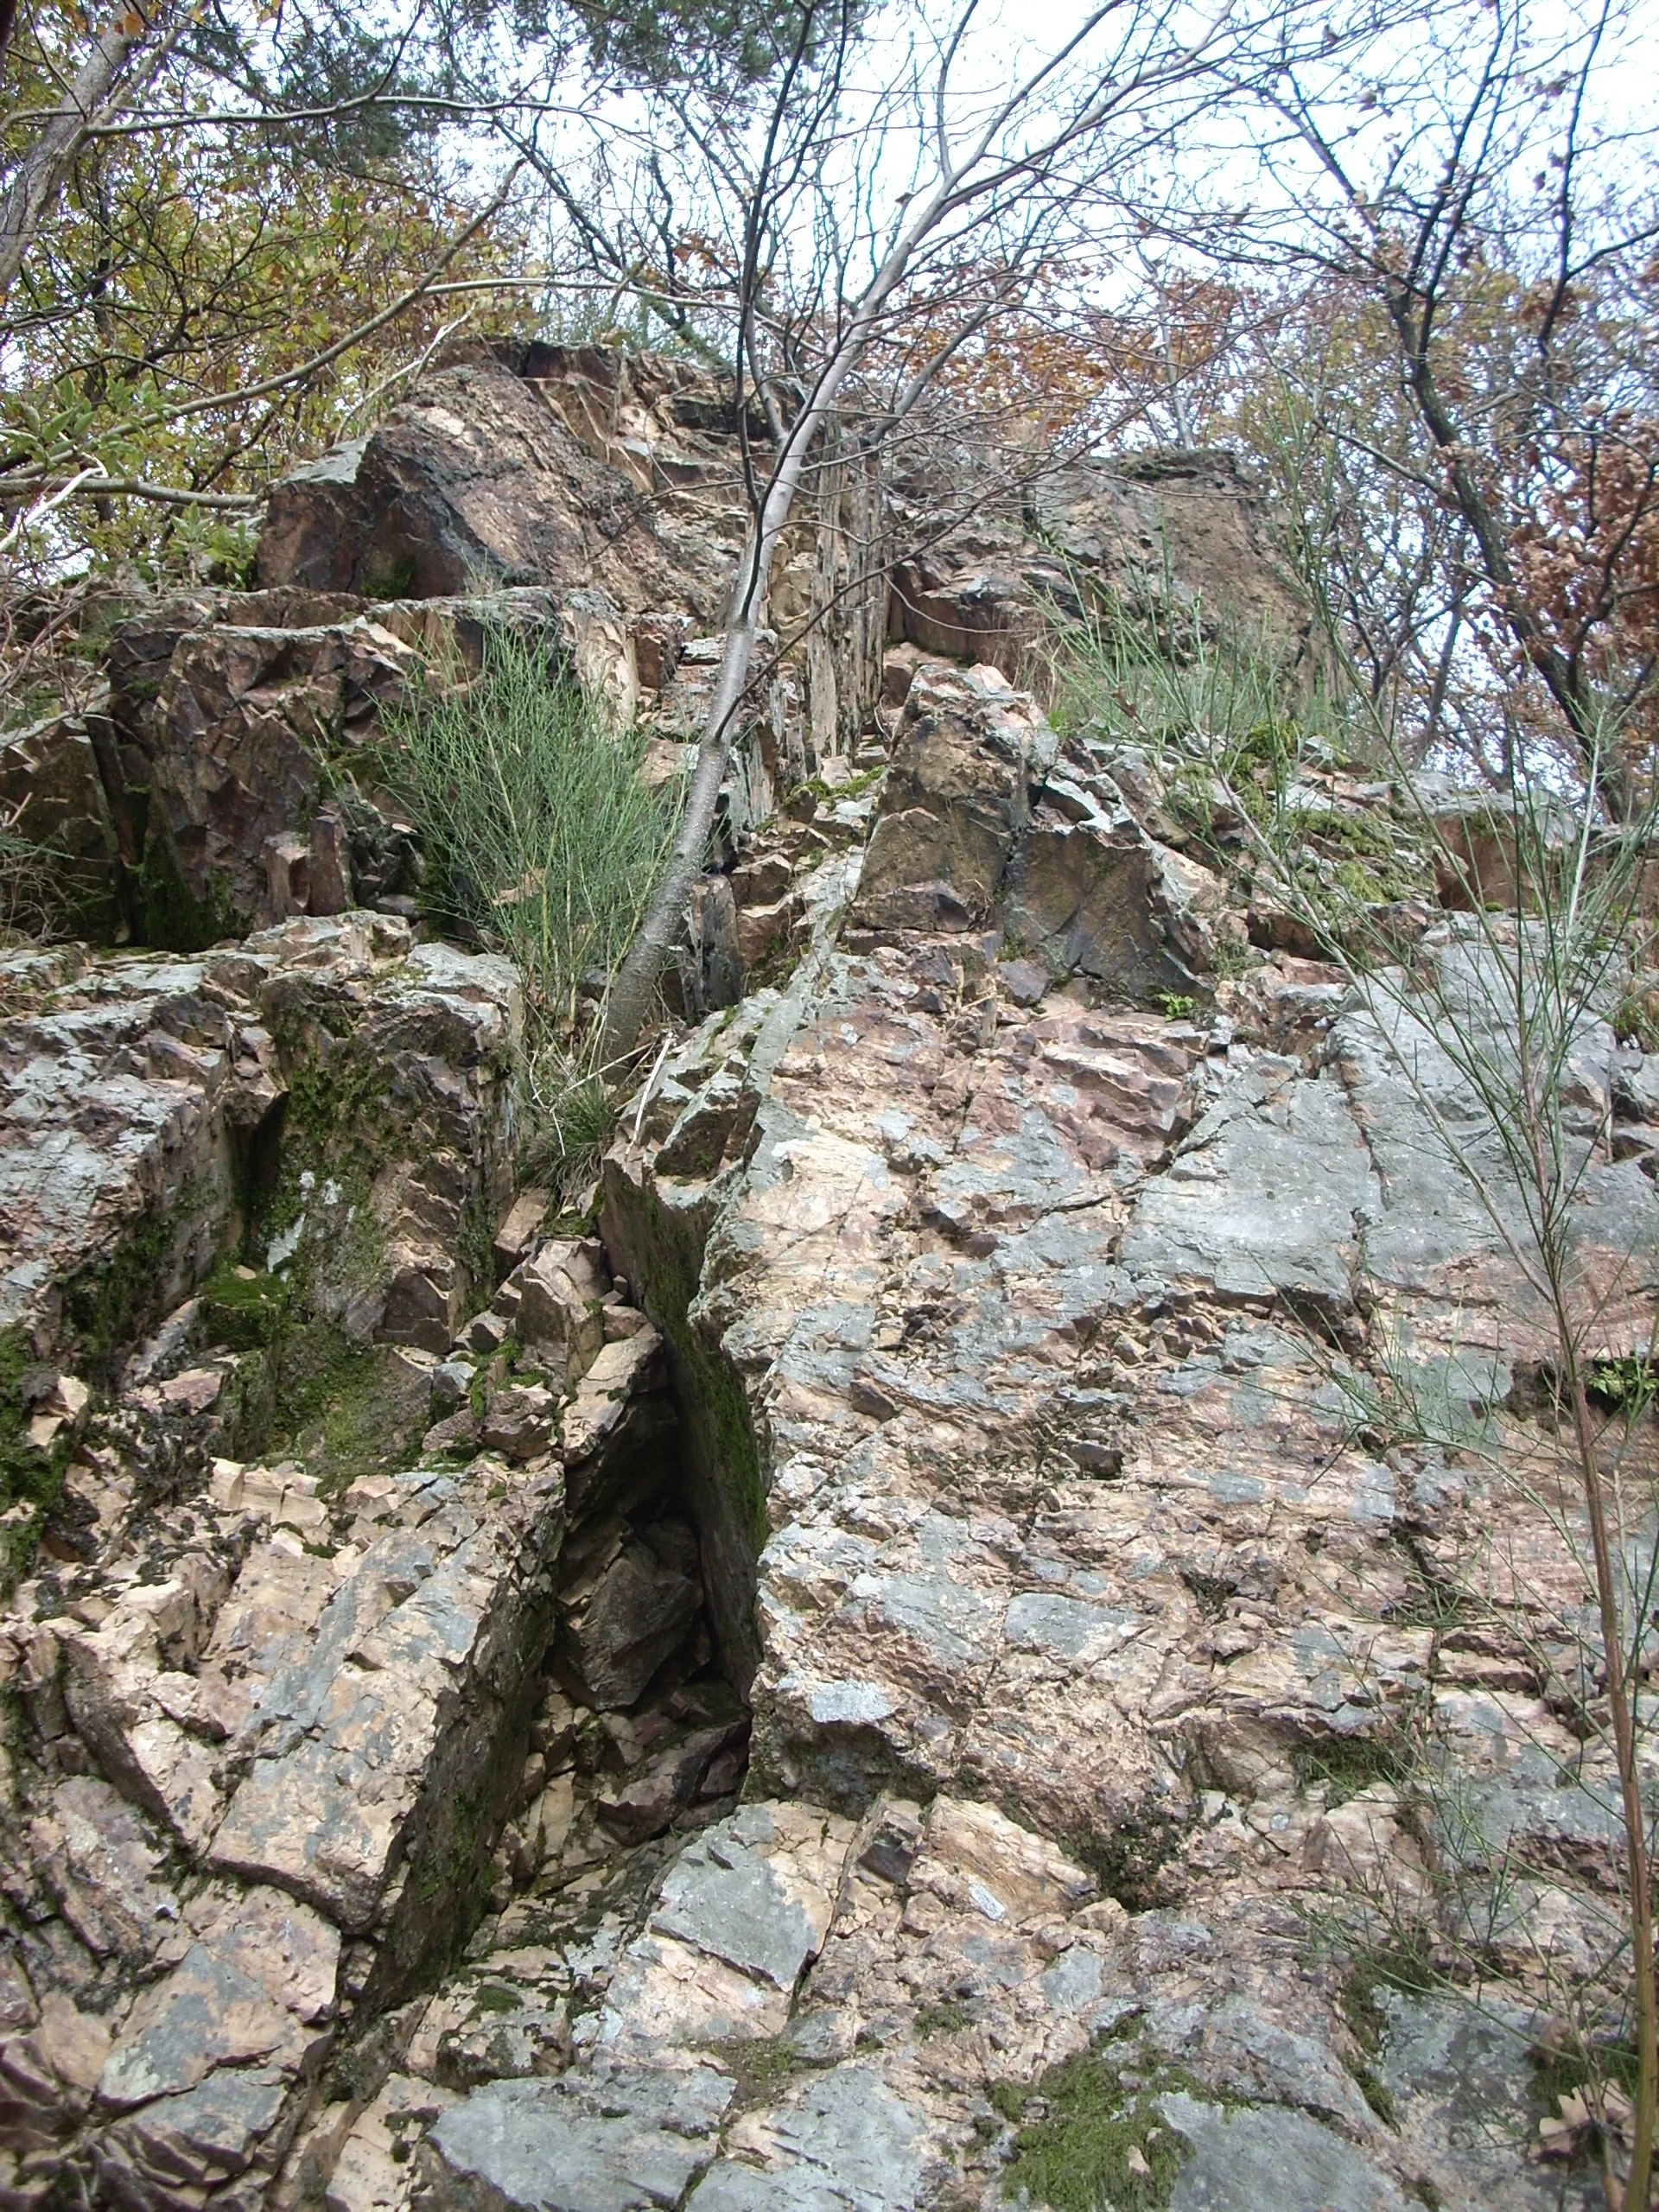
(876,1670)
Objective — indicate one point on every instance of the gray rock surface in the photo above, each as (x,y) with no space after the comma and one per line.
(620,2140)
(1242,2160)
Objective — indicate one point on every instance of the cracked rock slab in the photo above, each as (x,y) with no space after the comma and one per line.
(741,1911)
(624,2138)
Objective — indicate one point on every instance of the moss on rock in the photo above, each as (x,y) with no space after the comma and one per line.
(169,914)
(243,1309)
(31,1475)
(1092,2133)
(112,1301)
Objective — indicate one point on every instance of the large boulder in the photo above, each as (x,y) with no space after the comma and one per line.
(245,723)
(52,796)
(1186,527)
(479,481)
(969,759)
(1156,533)
(330,1088)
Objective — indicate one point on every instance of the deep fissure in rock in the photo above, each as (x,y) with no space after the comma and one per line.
(639,1700)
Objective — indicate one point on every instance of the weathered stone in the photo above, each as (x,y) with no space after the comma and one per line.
(1241,2160)
(519,1422)
(617,1393)
(1096,897)
(329,880)
(967,760)
(621,1617)
(844,2140)
(1269,1195)
(505,2042)
(477,478)
(104,1870)
(1145,524)
(742,1909)
(558,1321)
(127,1095)
(51,793)
(260,1975)
(288,876)
(980,1379)
(626,2138)
(518,1228)
(644,1805)
(406,1699)
(708,966)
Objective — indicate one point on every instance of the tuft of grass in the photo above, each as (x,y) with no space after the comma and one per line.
(1167,682)
(34,895)
(1637,1020)
(542,843)
(1347,1765)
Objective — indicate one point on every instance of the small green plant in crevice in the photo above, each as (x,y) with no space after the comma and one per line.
(1401,1963)
(1637,1020)
(1561,2068)
(1178,1006)
(1128,1861)
(826,794)
(1089,2136)
(1232,958)
(949,2018)
(542,842)
(576,1123)
(1627,1386)
(1345,1765)
(1195,702)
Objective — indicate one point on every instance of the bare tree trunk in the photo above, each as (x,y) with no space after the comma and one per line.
(971,180)
(633,993)
(39,179)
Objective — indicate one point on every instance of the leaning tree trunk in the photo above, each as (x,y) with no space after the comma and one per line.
(38,177)
(633,993)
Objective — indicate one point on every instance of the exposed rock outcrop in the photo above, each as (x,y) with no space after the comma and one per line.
(894,1661)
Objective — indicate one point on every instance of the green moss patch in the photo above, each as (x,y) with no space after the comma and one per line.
(1128,1861)
(169,914)
(243,1309)
(346,1408)
(1347,1765)
(762,2069)
(30,1475)
(110,1304)
(1088,2138)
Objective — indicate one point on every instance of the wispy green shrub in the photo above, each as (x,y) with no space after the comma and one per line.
(541,841)
(33,896)
(1167,681)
